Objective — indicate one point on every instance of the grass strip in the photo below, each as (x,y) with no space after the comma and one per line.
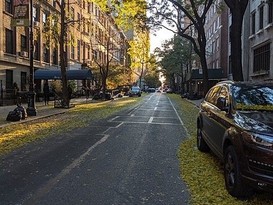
(14,136)
(203,172)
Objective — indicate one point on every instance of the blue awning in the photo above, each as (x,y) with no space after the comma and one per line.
(42,74)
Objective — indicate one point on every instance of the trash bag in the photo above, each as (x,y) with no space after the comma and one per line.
(14,115)
(22,110)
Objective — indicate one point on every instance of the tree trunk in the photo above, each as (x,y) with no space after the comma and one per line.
(236,45)
(202,55)
(63,58)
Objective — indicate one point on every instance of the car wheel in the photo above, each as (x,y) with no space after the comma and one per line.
(234,183)
(201,144)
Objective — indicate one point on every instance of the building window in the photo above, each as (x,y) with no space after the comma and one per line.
(79,19)
(46,57)
(45,16)
(8,6)
(23,43)
(36,14)
(79,50)
(23,81)
(9,41)
(55,56)
(36,50)
(72,13)
(9,81)
(261,17)
(262,58)
(253,25)
(88,52)
(270,12)
(72,52)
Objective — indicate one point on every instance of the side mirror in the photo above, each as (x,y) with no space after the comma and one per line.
(222,104)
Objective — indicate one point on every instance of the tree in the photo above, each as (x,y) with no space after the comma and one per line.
(56,31)
(139,52)
(184,18)
(175,57)
(152,75)
(107,50)
(237,9)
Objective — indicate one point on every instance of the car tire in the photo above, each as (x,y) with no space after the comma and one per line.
(235,185)
(201,144)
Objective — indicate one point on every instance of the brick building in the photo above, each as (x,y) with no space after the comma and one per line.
(88,35)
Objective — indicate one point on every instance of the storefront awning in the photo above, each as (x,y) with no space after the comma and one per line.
(42,74)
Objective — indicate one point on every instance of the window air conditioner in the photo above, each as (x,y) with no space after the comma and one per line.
(24,54)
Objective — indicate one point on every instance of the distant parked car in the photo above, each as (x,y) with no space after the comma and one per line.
(135,91)
(235,122)
(151,90)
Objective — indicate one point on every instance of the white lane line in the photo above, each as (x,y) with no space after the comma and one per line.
(113,118)
(52,182)
(155,108)
(109,128)
(150,120)
(179,118)
(176,113)
(153,123)
(132,115)
(119,125)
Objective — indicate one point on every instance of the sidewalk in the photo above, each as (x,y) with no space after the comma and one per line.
(196,102)
(42,110)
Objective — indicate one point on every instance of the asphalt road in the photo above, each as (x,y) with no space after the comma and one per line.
(129,158)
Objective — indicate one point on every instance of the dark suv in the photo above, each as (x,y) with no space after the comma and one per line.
(135,91)
(235,122)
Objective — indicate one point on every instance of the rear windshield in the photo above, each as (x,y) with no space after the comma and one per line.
(253,97)
(135,89)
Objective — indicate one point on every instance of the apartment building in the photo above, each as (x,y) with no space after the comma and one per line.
(92,39)
(260,36)
(216,28)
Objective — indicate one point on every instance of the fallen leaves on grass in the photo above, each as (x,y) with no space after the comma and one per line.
(14,136)
(203,173)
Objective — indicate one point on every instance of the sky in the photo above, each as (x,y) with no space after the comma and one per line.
(159,38)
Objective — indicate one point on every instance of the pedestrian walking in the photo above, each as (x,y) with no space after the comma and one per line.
(46,93)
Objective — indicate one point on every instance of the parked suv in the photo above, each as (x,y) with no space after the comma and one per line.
(235,122)
(135,91)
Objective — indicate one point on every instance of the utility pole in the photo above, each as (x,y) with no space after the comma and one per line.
(31,109)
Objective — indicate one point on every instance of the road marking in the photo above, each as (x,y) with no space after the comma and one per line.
(150,120)
(41,192)
(154,123)
(109,128)
(179,118)
(176,113)
(155,108)
(113,118)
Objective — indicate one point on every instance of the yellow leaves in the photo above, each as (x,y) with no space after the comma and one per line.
(203,173)
(15,136)
(254,107)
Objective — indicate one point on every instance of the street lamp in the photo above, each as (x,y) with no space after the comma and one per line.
(31,109)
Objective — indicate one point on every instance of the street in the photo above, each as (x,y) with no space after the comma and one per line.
(129,158)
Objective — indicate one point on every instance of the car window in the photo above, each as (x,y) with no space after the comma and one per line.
(224,94)
(212,95)
(135,89)
(253,97)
